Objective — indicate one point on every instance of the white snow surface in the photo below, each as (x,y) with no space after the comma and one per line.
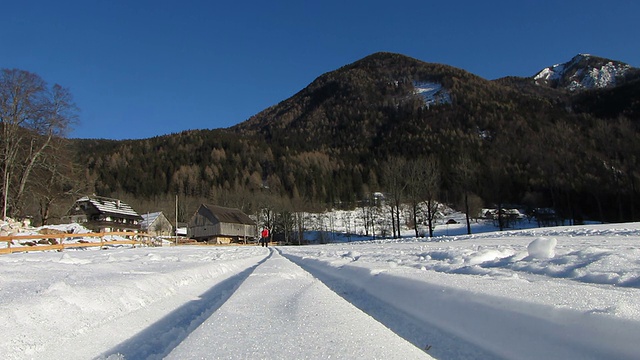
(595,78)
(432,93)
(543,293)
(554,72)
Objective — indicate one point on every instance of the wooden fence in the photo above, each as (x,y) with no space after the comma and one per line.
(134,239)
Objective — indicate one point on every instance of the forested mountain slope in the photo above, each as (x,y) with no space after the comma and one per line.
(520,141)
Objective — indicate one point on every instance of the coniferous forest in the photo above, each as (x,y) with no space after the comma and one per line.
(362,129)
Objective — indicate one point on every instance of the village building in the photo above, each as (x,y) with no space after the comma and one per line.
(101,214)
(156,224)
(220,225)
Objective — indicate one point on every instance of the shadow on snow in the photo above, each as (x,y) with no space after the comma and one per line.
(434,341)
(159,339)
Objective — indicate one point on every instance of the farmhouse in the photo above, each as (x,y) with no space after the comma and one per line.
(101,214)
(220,225)
(156,224)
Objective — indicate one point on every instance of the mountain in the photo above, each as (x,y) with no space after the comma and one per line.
(390,104)
(586,71)
(524,140)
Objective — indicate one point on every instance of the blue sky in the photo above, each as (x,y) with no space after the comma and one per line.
(139,68)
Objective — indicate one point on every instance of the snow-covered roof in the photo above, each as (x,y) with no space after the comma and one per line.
(149,218)
(109,206)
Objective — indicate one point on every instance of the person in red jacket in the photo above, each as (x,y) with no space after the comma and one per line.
(264,237)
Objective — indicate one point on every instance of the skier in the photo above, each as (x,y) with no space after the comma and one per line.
(264,237)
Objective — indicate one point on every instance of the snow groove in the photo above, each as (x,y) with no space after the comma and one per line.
(159,339)
(460,324)
(283,312)
(440,343)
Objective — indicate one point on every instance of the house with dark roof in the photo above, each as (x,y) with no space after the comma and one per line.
(221,225)
(156,223)
(101,214)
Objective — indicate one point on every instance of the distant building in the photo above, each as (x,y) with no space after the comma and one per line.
(101,214)
(156,224)
(181,229)
(220,225)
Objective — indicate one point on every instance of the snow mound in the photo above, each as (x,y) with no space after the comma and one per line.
(542,248)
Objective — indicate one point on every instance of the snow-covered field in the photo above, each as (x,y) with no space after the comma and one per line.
(548,293)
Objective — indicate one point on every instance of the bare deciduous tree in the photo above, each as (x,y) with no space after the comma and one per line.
(56,182)
(431,183)
(465,174)
(32,114)
(393,175)
(415,172)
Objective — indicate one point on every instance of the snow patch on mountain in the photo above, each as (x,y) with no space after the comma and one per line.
(602,77)
(551,73)
(432,93)
(578,74)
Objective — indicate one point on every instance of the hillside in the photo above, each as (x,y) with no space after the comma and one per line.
(376,104)
(523,141)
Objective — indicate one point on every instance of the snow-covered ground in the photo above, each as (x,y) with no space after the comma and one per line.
(538,293)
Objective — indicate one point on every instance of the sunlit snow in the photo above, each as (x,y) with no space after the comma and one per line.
(432,93)
(604,76)
(562,293)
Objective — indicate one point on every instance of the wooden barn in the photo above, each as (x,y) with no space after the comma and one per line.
(156,224)
(101,214)
(220,225)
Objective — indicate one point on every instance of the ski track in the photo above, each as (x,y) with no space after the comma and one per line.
(278,303)
(156,341)
(440,316)
(270,311)
(155,337)
(441,344)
